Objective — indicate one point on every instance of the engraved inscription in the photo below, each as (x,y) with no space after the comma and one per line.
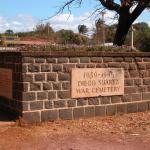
(6,83)
(97,82)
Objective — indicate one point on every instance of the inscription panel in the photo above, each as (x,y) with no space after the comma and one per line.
(94,82)
(6,83)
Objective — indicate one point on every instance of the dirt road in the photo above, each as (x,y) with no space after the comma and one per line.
(127,132)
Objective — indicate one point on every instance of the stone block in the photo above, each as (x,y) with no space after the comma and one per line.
(84,59)
(105,100)
(47,86)
(100,110)
(33,68)
(90,66)
(132,107)
(36,105)
(89,111)
(35,86)
(74,60)
(27,77)
(145,96)
(49,115)
(148,65)
(51,77)
(102,65)
(132,66)
(59,104)
(138,59)
(128,59)
(93,101)
(125,66)
(68,67)
(66,114)
(146,59)
(45,68)
(42,95)
(51,60)
(51,95)
(146,81)
(130,90)
(81,102)
(32,117)
(128,82)
(134,73)
(80,65)
(136,97)
(63,60)
(126,74)
(143,73)
(111,110)
(39,77)
(24,68)
(66,86)
(137,82)
(57,67)
(142,107)
(148,88)
(28,96)
(25,106)
(48,105)
(71,103)
(96,59)
(116,99)
(78,113)
(114,65)
(141,66)
(118,59)
(63,94)
(27,60)
(142,89)
(40,60)
(107,59)
(121,109)
(56,86)
(64,77)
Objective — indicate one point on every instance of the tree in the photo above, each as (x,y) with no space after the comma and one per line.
(44,30)
(128,11)
(69,37)
(100,30)
(141,36)
(110,33)
(9,32)
(82,29)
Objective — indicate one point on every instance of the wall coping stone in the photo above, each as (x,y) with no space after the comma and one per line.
(75,54)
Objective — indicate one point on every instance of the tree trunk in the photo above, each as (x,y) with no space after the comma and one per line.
(122,29)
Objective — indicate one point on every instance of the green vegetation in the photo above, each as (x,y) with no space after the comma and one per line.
(127,10)
(75,48)
(82,29)
(69,37)
(141,36)
(44,32)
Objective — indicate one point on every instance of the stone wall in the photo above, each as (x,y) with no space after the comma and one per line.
(42,84)
(12,61)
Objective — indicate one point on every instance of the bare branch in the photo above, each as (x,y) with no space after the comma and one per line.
(138,10)
(68,4)
(110,5)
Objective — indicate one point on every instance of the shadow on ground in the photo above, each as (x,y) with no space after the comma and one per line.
(5,117)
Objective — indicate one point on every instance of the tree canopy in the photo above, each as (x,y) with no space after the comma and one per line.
(82,29)
(128,11)
(9,32)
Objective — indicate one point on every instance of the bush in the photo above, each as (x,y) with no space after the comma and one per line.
(3,43)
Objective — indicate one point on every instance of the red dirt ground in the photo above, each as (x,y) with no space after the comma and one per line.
(126,132)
